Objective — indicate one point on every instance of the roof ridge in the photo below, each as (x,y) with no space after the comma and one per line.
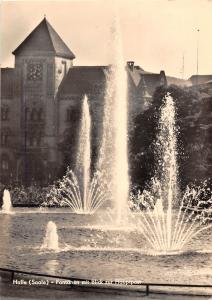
(74,67)
(52,32)
(47,23)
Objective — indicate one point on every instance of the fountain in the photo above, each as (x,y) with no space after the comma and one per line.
(113,158)
(117,239)
(84,152)
(120,103)
(7,204)
(169,225)
(79,192)
(51,238)
(111,181)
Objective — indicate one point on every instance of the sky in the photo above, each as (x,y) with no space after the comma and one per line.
(156,34)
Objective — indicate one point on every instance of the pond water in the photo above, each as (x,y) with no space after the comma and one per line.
(89,249)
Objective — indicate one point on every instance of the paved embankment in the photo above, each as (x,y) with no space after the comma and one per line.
(27,290)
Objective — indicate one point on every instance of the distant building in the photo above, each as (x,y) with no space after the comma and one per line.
(177,81)
(41,104)
(199,79)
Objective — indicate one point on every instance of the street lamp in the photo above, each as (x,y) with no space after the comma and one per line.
(197,54)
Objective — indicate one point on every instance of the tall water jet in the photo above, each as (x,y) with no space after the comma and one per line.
(7,204)
(114,152)
(51,240)
(83,193)
(84,152)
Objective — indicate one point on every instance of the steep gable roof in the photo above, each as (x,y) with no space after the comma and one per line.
(145,82)
(44,39)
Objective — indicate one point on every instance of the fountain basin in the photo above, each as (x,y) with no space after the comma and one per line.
(85,243)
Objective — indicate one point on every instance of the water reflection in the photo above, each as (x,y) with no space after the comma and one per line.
(51,267)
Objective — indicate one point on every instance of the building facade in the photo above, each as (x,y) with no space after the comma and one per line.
(41,100)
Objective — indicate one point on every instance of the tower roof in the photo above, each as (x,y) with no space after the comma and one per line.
(44,39)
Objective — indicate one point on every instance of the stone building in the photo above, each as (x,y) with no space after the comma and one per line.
(41,101)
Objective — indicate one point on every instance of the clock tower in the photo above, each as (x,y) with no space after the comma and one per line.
(42,61)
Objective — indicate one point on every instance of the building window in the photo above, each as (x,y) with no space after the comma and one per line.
(27,112)
(65,67)
(4,162)
(34,114)
(4,139)
(39,140)
(40,114)
(4,113)
(33,141)
(68,115)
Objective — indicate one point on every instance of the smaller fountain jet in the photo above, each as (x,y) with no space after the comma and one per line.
(68,193)
(51,238)
(77,190)
(7,204)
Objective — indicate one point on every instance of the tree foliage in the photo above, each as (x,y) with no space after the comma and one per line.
(193,123)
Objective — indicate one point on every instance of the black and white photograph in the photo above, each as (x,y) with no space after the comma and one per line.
(106,149)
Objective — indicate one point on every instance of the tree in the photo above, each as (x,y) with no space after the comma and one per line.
(193,119)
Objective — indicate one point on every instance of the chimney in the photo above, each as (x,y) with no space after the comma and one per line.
(131,65)
(163,80)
